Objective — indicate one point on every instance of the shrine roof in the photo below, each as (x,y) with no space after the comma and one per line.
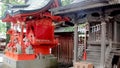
(82,6)
(30,7)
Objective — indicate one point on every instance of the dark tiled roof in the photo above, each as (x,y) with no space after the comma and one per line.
(87,4)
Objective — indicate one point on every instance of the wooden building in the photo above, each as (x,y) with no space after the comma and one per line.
(103,18)
(65,36)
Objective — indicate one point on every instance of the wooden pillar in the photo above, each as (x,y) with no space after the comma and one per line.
(75,41)
(115,31)
(103,44)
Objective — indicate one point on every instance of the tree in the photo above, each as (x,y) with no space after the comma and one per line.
(4,26)
(66,2)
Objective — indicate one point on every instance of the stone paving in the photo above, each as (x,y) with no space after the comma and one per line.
(1,62)
(1,58)
(5,66)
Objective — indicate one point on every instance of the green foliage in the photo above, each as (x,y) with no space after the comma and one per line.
(2,28)
(5,1)
(17,2)
(14,1)
(8,36)
(3,9)
(66,2)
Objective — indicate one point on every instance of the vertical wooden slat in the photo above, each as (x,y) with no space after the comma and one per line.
(64,51)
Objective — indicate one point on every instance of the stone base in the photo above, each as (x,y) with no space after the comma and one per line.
(40,62)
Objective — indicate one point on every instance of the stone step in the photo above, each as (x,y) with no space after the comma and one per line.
(93,57)
(93,60)
(116,51)
(94,47)
(94,53)
(93,50)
